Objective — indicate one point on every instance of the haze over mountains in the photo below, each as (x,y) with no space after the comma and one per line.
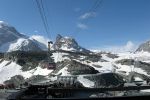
(80,61)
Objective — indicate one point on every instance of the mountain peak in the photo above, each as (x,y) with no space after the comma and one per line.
(12,40)
(8,33)
(67,43)
(6,28)
(144,47)
(4,24)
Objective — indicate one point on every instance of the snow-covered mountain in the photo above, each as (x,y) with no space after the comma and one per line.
(72,59)
(12,40)
(68,44)
(8,33)
(21,44)
(144,47)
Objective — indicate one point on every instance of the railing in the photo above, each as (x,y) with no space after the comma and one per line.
(100,89)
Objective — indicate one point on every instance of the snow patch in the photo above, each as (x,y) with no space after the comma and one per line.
(147,90)
(85,82)
(64,71)
(105,57)
(58,57)
(138,79)
(41,71)
(18,44)
(8,71)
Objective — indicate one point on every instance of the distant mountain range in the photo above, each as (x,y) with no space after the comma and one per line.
(12,40)
(27,55)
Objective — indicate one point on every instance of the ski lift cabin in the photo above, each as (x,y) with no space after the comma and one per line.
(48,65)
(51,65)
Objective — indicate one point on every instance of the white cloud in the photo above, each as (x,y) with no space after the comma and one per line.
(128,47)
(40,39)
(82,26)
(87,15)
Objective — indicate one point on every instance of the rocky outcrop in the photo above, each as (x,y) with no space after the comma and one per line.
(28,60)
(15,80)
(111,55)
(125,62)
(77,68)
(35,79)
(106,80)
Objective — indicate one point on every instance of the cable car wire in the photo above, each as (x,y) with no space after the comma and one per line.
(43,16)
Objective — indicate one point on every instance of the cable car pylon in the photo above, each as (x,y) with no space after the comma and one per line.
(51,63)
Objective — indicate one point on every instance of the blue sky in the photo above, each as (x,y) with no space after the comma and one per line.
(114,23)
